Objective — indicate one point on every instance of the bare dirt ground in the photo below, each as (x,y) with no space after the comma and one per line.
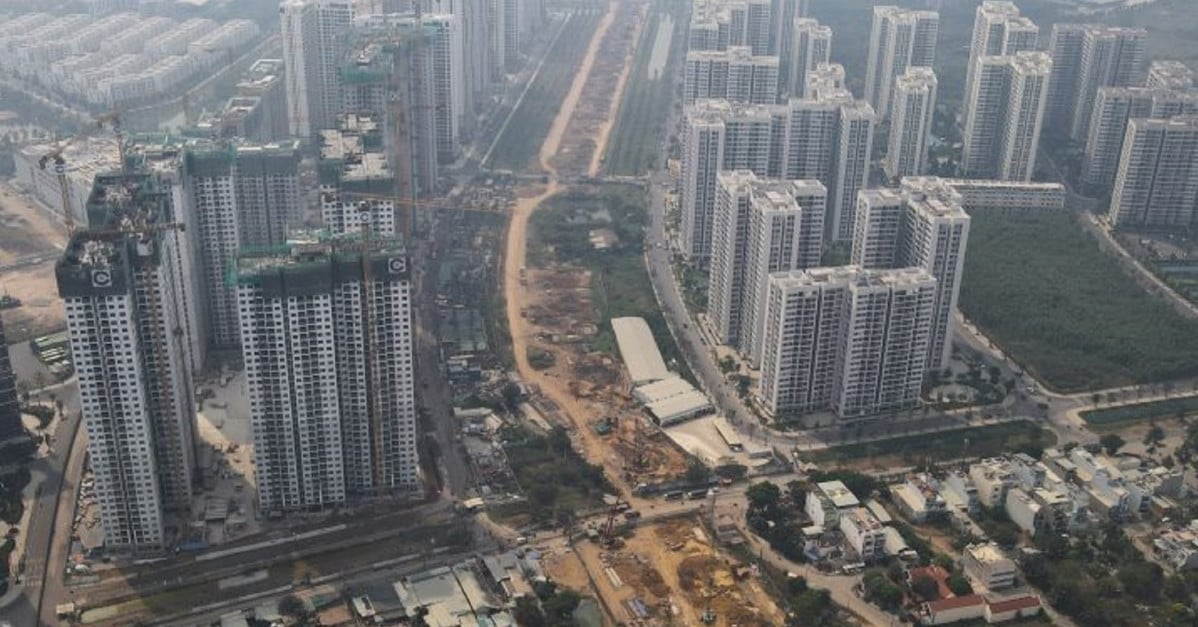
(30,242)
(672,568)
(586,132)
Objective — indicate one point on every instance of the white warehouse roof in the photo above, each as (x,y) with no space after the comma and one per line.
(661,390)
(639,350)
(678,408)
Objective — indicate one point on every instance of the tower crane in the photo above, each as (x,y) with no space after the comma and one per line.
(112,118)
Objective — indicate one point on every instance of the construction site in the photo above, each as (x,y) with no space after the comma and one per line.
(31,238)
(668,573)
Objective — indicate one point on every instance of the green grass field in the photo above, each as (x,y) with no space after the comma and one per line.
(1040,287)
(1153,410)
(527,130)
(648,94)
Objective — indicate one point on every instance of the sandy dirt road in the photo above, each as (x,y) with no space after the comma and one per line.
(516,246)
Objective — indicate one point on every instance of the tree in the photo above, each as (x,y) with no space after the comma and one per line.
(959,585)
(511,395)
(528,613)
(731,472)
(1111,443)
(291,606)
(762,495)
(1141,579)
(696,472)
(560,606)
(925,587)
(879,591)
(1155,435)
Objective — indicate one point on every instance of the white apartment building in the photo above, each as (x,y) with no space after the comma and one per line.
(310,31)
(449,83)
(826,82)
(985,194)
(241,195)
(1113,107)
(913,106)
(864,534)
(899,39)
(330,373)
(1086,58)
(781,237)
(923,225)
(998,30)
(1111,57)
(1169,74)
(802,338)
(733,74)
(1157,182)
(759,228)
(1004,115)
(845,338)
(125,297)
(1065,48)
(851,158)
(718,135)
(808,46)
(886,342)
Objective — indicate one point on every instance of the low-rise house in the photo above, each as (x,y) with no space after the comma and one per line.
(992,478)
(825,504)
(863,533)
(987,567)
(1178,547)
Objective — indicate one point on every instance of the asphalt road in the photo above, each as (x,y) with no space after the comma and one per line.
(53,508)
(433,392)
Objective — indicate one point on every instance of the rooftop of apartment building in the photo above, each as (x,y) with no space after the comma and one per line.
(313,261)
(838,493)
(262,73)
(986,553)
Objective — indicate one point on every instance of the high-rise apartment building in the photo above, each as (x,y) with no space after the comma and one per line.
(387,76)
(1086,58)
(733,74)
(264,80)
(784,16)
(1004,115)
(782,236)
(240,195)
(998,30)
(718,135)
(808,46)
(1156,186)
(10,406)
(310,31)
(717,25)
(126,291)
(922,225)
(829,138)
(1169,74)
(899,39)
(328,358)
(1113,107)
(356,180)
(854,145)
(759,227)
(849,339)
(913,106)
(826,82)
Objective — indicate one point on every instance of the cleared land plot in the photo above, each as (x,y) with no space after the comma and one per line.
(562,231)
(527,130)
(648,96)
(1168,408)
(984,441)
(1059,306)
